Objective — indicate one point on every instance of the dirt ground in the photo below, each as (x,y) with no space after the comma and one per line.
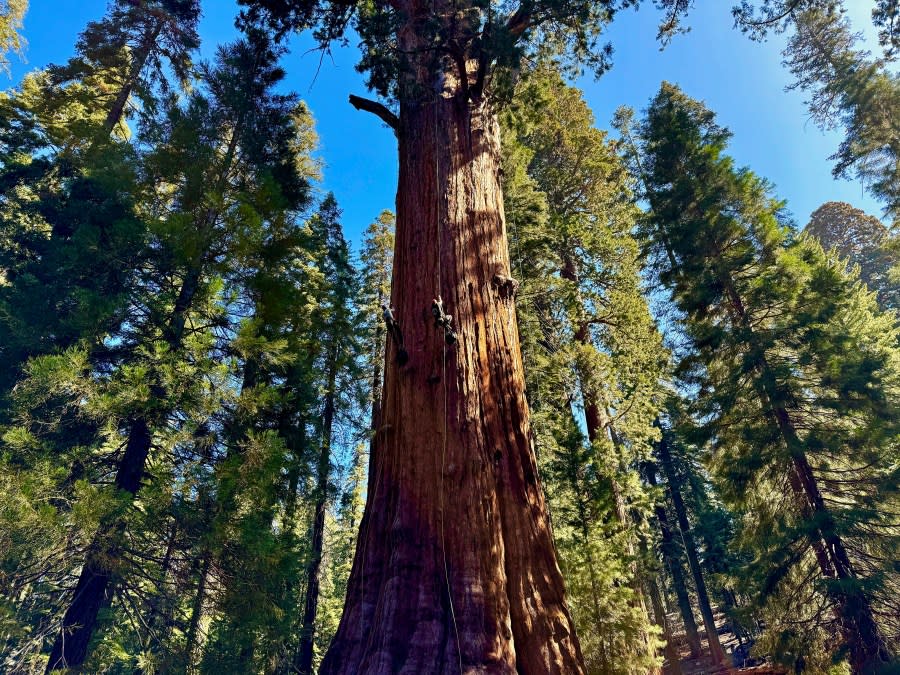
(703,665)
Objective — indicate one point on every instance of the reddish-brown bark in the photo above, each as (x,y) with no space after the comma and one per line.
(455,566)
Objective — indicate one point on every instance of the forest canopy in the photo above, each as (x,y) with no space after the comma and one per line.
(587,398)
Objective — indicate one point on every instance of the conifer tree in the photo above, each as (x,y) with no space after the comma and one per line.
(12,13)
(236,160)
(771,321)
(140,42)
(848,87)
(671,556)
(376,264)
(251,551)
(72,237)
(339,363)
(461,603)
(862,240)
(664,453)
(605,352)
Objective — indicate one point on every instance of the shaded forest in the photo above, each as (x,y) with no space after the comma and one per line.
(586,400)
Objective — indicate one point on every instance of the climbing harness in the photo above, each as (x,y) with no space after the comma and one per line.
(396,334)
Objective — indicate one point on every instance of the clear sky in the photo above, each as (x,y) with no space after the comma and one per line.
(741,80)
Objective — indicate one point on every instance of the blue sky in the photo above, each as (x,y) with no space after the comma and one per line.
(741,80)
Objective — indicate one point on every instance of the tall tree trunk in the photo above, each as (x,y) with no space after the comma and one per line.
(668,549)
(673,661)
(709,622)
(455,567)
(93,592)
(138,61)
(193,632)
(599,424)
(311,604)
(860,632)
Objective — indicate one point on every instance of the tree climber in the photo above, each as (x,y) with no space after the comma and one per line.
(393,328)
(443,320)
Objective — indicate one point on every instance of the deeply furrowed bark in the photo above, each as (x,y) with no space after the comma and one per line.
(455,567)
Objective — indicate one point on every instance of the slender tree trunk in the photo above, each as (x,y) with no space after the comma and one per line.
(138,61)
(93,591)
(455,567)
(193,632)
(668,548)
(859,630)
(673,661)
(311,604)
(598,424)
(709,622)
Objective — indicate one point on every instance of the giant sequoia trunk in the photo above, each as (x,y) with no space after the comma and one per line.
(455,568)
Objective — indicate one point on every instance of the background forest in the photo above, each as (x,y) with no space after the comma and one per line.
(193,355)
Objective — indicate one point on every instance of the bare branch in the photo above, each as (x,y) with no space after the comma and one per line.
(376,109)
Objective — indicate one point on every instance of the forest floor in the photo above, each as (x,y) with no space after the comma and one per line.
(703,665)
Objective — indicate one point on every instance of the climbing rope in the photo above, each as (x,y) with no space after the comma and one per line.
(444,344)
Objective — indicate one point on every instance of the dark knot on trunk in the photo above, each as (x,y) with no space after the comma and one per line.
(507,287)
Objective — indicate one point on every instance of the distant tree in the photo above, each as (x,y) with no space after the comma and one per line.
(595,362)
(339,362)
(12,14)
(759,17)
(862,240)
(848,87)
(143,43)
(376,263)
(855,91)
